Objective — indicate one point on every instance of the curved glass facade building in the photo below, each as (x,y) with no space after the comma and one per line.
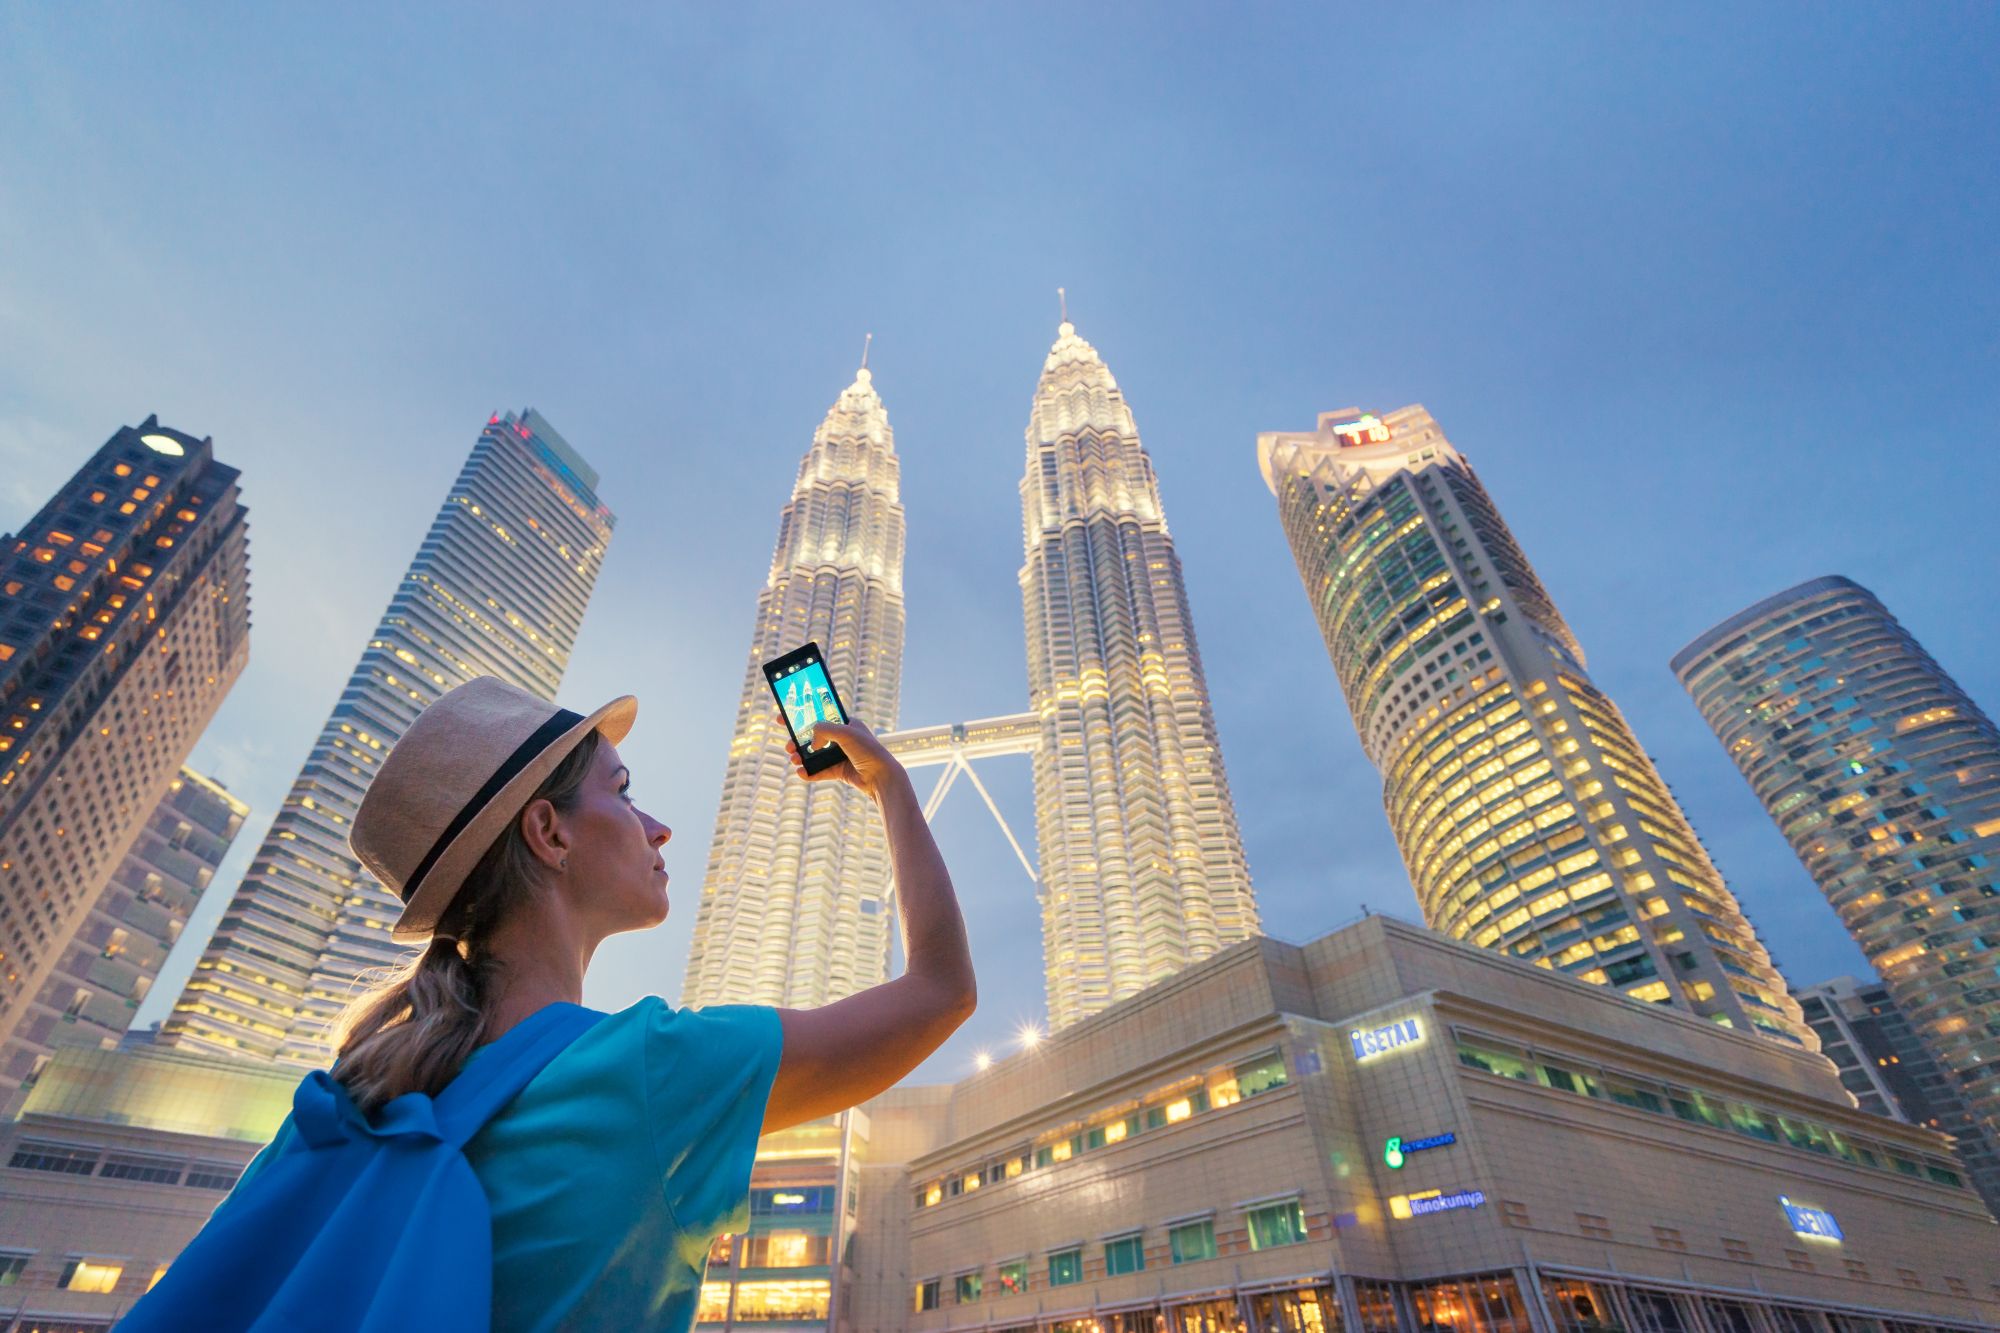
(498,588)
(796,903)
(1528,816)
(1885,778)
(1142,867)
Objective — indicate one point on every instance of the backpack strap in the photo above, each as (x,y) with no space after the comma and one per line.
(485,1086)
(326,1116)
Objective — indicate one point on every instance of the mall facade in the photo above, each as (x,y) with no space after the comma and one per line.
(1386,1131)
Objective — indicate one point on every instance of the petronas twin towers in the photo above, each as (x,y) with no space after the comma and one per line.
(1141,863)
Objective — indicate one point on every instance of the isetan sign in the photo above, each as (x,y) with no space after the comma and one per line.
(1371,1043)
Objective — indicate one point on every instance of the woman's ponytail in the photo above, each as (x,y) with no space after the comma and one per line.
(412,1031)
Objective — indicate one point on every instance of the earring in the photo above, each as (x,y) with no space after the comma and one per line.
(563,864)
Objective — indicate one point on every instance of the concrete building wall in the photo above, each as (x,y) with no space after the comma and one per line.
(115,1160)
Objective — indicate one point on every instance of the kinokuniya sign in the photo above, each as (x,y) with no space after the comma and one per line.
(1370,1043)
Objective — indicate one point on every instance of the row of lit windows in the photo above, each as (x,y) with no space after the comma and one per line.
(1269,1225)
(1169,1106)
(1491,1056)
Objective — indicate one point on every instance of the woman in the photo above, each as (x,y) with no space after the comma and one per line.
(508,828)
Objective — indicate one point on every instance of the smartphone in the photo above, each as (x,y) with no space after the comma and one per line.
(806,697)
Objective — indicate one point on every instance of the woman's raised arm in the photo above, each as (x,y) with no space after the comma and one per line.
(843,1053)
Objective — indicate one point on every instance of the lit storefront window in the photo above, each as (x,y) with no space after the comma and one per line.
(801,1299)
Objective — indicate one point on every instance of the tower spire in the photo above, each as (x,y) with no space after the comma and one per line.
(1062,299)
(866,340)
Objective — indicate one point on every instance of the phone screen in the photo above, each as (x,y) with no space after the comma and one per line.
(807,696)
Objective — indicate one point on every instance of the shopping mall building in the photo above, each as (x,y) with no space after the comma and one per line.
(1385,1130)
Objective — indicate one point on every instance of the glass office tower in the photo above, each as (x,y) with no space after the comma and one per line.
(498,588)
(1529,818)
(1886,1067)
(1885,778)
(796,905)
(1142,867)
(124,620)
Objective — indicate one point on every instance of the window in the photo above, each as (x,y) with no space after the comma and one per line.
(11,1264)
(90,1275)
(970,1286)
(714,1308)
(786,1249)
(791,1201)
(1491,1060)
(927,1295)
(1013,1276)
(1192,1240)
(149,1170)
(1277,1224)
(1065,1267)
(791,1301)
(1261,1075)
(213,1175)
(1580,1307)
(67,1158)
(1658,1312)
(1127,1254)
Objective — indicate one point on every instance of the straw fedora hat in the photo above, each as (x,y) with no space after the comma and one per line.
(450,786)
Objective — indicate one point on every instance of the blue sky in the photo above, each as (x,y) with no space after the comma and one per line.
(1711,296)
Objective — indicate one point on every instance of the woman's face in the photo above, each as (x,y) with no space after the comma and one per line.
(614,857)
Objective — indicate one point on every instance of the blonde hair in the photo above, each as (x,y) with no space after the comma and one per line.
(413,1029)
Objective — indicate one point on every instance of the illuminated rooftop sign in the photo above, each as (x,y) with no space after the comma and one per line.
(1396,1150)
(1433,1201)
(1371,1042)
(1811,1223)
(1369,430)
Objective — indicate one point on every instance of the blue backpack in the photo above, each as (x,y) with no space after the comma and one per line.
(356,1225)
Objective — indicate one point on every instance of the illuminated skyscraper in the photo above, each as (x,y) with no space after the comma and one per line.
(1889,1072)
(1142,868)
(1885,778)
(124,620)
(796,902)
(1528,816)
(498,588)
(112,963)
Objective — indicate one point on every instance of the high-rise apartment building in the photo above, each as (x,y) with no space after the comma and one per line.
(1529,818)
(1142,866)
(498,588)
(1885,778)
(1889,1072)
(124,620)
(104,974)
(796,903)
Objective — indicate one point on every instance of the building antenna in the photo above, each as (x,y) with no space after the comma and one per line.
(1062,298)
(865,341)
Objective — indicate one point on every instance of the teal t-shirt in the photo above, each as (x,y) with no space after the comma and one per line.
(618,1166)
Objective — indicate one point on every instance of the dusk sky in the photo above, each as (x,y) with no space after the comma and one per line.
(1710,295)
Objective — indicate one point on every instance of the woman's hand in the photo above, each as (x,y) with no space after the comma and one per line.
(867,765)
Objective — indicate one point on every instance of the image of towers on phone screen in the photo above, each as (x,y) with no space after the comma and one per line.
(807,698)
